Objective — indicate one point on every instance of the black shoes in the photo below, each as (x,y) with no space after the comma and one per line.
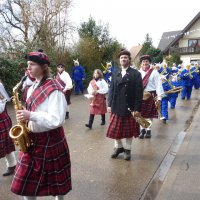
(103,123)
(127,154)
(145,134)
(9,171)
(89,126)
(142,133)
(67,115)
(117,151)
(148,134)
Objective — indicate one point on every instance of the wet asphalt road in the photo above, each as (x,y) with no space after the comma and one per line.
(95,176)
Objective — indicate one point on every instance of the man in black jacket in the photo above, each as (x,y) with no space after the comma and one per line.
(124,103)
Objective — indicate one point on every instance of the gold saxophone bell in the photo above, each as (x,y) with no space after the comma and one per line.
(17,134)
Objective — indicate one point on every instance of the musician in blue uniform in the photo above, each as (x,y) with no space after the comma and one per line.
(173,97)
(187,77)
(163,70)
(107,73)
(174,69)
(197,77)
(165,99)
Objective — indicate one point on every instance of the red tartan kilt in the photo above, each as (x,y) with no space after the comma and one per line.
(6,143)
(122,127)
(67,96)
(149,108)
(98,106)
(46,169)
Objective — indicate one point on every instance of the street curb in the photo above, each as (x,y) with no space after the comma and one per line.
(155,184)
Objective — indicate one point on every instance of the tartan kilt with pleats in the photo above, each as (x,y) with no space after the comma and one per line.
(46,169)
(149,108)
(6,143)
(122,127)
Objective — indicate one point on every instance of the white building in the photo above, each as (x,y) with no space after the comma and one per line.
(186,42)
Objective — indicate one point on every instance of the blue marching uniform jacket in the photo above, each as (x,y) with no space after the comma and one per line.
(108,74)
(166,72)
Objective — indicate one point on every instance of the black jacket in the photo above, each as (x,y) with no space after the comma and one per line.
(126,92)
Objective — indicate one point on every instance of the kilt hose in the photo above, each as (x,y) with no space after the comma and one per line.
(149,108)
(46,169)
(67,96)
(122,127)
(6,143)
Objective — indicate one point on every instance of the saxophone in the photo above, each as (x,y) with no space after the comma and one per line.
(141,120)
(19,133)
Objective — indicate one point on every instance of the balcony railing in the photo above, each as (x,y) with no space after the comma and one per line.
(185,50)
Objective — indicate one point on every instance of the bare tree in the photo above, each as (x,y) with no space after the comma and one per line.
(34,23)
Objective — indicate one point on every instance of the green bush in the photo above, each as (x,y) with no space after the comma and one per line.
(10,73)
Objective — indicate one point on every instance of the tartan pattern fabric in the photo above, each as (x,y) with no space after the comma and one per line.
(149,108)
(98,103)
(61,82)
(122,127)
(45,170)
(24,93)
(41,93)
(68,92)
(146,78)
(6,143)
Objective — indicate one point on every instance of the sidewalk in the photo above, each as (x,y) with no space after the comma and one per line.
(183,179)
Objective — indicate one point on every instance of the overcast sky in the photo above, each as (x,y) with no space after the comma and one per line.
(130,20)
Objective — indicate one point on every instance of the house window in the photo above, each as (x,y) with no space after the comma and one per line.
(192,60)
(193,43)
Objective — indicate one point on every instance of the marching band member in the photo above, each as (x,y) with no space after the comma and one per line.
(46,168)
(197,78)
(187,77)
(107,73)
(165,99)
(124,101)
(7,147)
(66,83)
(174,69)
(163,70)
(98,88)
(174,83)
(152,86)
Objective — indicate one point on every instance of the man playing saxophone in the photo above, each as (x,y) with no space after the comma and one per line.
(45,169)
